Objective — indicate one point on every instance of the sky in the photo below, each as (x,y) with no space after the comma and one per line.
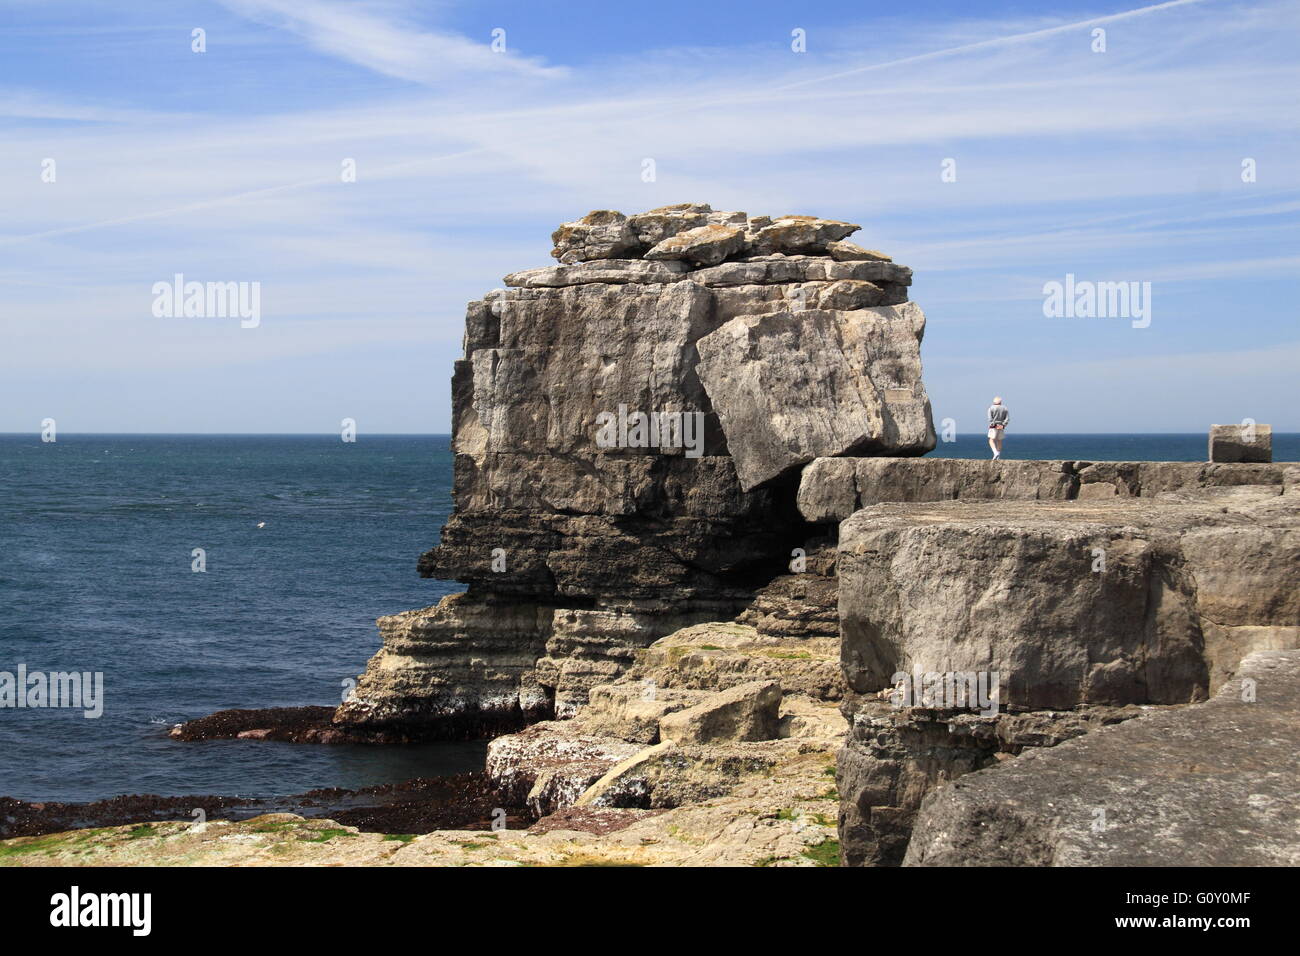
(994,148)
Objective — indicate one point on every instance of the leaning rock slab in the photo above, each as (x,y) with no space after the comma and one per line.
(851,252)
(789,387)
(1208,785)
(674,775)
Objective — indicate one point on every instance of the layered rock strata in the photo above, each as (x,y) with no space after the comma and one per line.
(618,477)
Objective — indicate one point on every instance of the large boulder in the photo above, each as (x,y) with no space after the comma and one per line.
(789,387)
(1070,602)
(632,710)
(548,766)
(744,712)
(1249,442)
(673,775)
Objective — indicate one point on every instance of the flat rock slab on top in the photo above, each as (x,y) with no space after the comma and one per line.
(789,387)
(1209,785)
(831,489)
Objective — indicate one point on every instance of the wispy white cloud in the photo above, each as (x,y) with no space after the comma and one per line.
(1013,39)
(386,39)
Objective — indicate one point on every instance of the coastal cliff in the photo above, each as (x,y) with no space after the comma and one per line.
(628,429)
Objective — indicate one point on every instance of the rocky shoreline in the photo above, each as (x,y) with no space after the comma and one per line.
(307,724)
(317,725)
(466,801)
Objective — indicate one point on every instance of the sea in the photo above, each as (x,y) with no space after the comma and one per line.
(203,572)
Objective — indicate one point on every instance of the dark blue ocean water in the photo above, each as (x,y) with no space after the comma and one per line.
(96,534)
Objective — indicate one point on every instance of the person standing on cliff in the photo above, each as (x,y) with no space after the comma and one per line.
(998,418)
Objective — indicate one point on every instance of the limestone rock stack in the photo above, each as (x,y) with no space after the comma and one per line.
(629,426)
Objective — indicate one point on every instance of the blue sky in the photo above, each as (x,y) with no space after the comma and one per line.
(1123,165)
